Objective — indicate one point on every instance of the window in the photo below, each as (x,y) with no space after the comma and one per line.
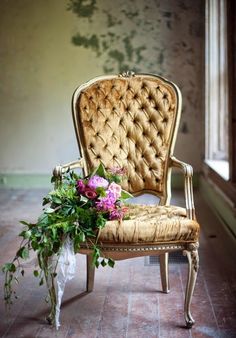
(217,91)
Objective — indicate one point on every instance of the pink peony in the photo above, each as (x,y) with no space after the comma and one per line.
(97,182)
(115,189)
(90,193)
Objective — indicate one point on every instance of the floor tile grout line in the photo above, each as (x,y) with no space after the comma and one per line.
(210,301)
(158,316)
(14,320)
(103,305)
(129,302)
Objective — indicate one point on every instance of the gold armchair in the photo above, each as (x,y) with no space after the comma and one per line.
(131,121)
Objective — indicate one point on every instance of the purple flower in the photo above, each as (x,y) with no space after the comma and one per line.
(106,203)
(80,186)
(97,182)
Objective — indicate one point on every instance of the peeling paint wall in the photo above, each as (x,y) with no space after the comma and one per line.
(50,47)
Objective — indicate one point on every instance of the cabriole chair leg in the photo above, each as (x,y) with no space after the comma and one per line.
(164,270)
(193,261)
(90,273)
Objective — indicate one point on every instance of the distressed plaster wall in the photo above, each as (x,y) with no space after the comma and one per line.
(49,47)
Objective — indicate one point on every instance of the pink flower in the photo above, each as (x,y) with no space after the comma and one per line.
(97,182)
(90,193)
(115,189)
(117,213)
(117,171)
(80,186)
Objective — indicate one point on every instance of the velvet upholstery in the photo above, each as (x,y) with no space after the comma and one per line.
(151,224)
(129,122)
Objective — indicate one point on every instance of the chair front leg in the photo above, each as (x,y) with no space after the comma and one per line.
(193,262)
(164,270)
(90,273)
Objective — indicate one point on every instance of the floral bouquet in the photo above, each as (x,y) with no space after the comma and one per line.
(73,213)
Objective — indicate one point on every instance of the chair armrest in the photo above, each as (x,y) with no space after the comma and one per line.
(188,185)
(61,169)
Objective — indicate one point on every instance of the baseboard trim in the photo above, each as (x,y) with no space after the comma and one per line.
(27,181)
(220,204)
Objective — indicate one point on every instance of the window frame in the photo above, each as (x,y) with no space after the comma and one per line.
(228,186)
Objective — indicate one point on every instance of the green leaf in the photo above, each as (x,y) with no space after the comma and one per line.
(103,263)
(25,234)
(9,267)
(25,223)
(43,219)
(111,262)
(41,281)
(125,195)
(23,253)
(100,171)
(34,245)
(36,273)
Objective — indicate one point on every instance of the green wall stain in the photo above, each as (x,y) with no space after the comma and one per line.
(85,42)
(82,8)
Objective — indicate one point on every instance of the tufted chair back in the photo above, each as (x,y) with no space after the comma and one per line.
(129,121)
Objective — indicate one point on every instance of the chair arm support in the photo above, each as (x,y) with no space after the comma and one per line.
(61,169)
(188,185)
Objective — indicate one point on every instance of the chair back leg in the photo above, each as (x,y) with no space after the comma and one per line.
(90,273)
(164,270)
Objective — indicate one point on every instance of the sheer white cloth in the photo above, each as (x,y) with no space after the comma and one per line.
(65,271)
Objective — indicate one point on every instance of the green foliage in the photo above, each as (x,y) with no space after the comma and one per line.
(65,213)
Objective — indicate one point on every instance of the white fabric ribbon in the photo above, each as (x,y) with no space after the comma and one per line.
(65,271)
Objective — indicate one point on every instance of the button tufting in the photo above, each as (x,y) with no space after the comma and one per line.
(137,110)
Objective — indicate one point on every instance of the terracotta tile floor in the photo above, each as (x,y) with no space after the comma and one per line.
(127,301)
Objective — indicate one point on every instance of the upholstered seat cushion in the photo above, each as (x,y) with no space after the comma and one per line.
(151,224)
